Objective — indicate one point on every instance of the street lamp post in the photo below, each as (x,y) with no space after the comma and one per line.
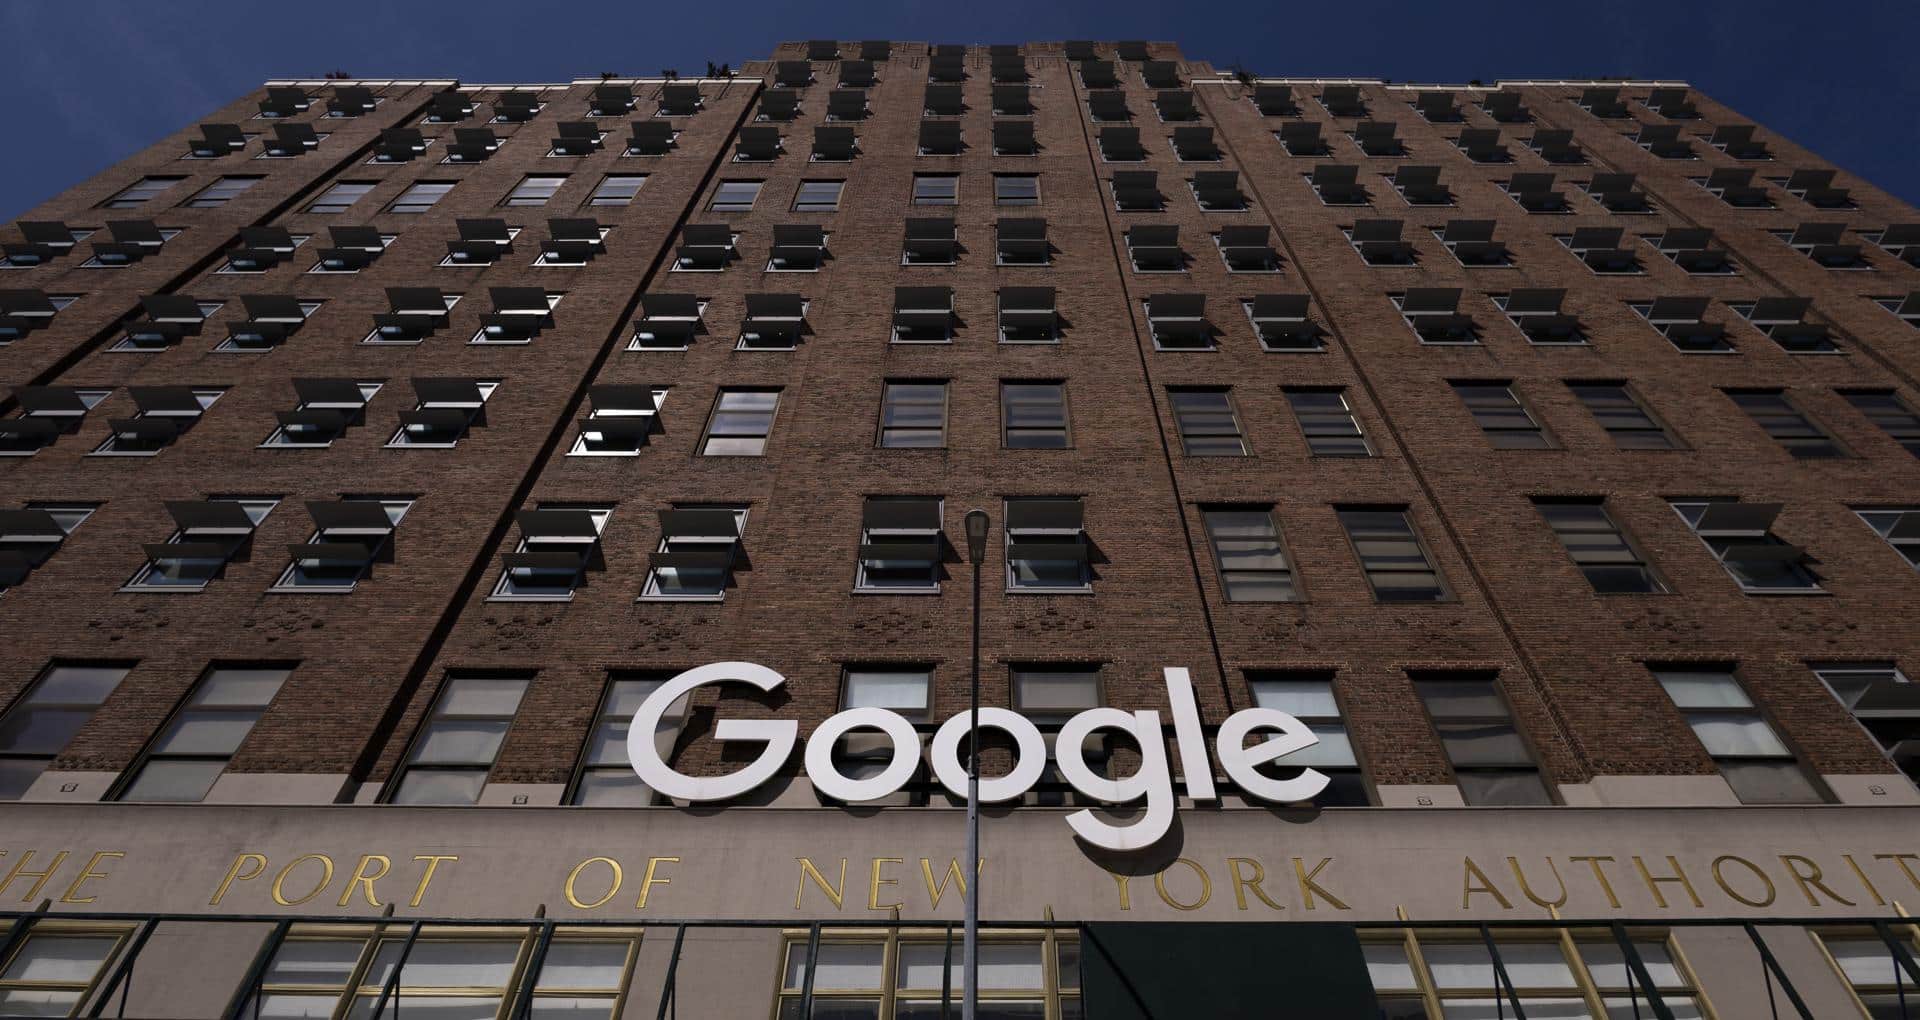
(977,525)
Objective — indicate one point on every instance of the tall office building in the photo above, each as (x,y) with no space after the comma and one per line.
(408,484)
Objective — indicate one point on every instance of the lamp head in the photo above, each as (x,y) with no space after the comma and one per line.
(977,525)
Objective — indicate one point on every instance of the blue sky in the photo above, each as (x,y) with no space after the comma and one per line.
(93,81)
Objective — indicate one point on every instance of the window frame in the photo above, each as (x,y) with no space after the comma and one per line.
(152,751)
(1295,590)
(946,407)
(1443,590)
(409,762)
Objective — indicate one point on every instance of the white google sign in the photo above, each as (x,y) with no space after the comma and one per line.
(1153,783)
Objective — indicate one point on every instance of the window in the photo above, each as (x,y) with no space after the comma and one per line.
(47,413)
(1021,242)
(1787,424)
(735,196)
(1328,423)
(446,410)
(457,743)
(1490,761)
(1886,409)
(1033,415)
(1873,971)
(1028,316)
(339,197)
(774,322)
(533,190)
(1309,697)
(208,536)
(327,408)
(1207,422)
(1731,728)
(913,414)
(740,423)
(1392,555)
(617,189)
(922,315)
(1681,320)
(30,536)
(1541,973)
(40,725)
(1049,695)
(1737,534)
(203,735)
(1283,324)
(1021,975)
(420,197)
(622,419)
(558,544)
(1900,526)
(220,192)
(55,968)
(1178,322)
(699,544)
(1882,701)
(936,189)
(1502,417)
(1590,536)
(1046,545)
(1253,562)
(332,970)
(818,196)
(929,242)
(349,537)
(1016,189)
(1620,413)
(901,547)
(606,777)
(140,193)
(1433,313)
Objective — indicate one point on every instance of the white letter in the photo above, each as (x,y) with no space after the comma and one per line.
(778,734)
(1030,761)
(1187,736)
(1153,781)
(828,779)
(1239,760)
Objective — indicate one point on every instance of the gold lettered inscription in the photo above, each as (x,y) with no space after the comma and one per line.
(1600,876)
(433,862)
(1526,888)
(1473,880)
(1309,887)
(1126,895)
(1810,879)
(22,869)
(365,881)
(834,891)
(653,878)
(1243,884)
(72,895)
(279,881)
(613,882)
(1901,860)
(877,880)
(953,874)
(1720,879)
(255,865)
(1206,885)
(1653,881)
(1861,874)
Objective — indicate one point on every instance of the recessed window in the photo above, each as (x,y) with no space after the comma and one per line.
(447,408)
(901,547)
(699,545)
(559,544)
(1507,423)
(913,414)
(818,196)
(1310,698)
(617,189)
(165,413)
(56,968)
(1786,424)
(38,726)
(1327,423)
(208,535)
(936,189)
(1033,415)
(1596,544)
(1028,316)
(922,315)
(606,777)
(1050,694)
(1491,762)
(621,422)
(1752,758)
(349,537)
(221,192)
(1682,320)
(420,197)
(1900,526)
(31,535)
(1880,697)
(907,690)
(1740,536)
(1873,969)
(740,423)
(203,735)
(457,743)
(533,190)
(1047,546)
(141,192)
(1433,313)
(1253,563)
(1391,554)
(1207,422)
(1627,422)
(851,973)
(735,196)
(1016,189)
(1892,414)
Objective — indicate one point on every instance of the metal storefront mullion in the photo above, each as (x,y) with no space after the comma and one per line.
(806,980)
(1771,968)
(393,980)
(1500,974)
(667,997)
(123,969)
(1638,968)
(523,999)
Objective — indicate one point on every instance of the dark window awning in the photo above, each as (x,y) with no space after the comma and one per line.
(448,392)
(329,393)
(1151,971)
